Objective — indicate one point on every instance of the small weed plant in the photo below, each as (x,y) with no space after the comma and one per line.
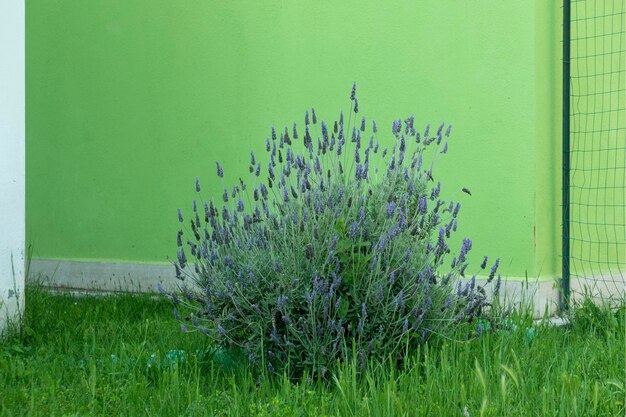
(335,248)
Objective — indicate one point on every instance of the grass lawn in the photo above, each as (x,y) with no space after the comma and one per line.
(120,356)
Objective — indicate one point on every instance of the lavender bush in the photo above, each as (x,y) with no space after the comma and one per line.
(335,245)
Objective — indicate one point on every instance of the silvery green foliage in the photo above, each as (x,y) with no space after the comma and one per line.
(334,246)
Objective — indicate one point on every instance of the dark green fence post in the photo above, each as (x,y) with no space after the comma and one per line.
(565,284)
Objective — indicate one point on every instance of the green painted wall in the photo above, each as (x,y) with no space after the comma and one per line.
(127,101)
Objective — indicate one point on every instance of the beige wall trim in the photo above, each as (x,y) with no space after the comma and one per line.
(102,276)
(131,277)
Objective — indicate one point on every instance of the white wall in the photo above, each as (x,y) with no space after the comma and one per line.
(12,158)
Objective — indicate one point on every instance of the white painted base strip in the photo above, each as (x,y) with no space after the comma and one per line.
(610,288)
(542,295)
(102,276)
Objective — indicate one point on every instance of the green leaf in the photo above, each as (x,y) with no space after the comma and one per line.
(340,225)
(344,305)
(344,245)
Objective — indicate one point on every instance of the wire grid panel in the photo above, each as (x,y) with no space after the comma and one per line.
(598,147)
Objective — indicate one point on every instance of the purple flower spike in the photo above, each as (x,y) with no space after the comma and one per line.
(180,216)
(456,210)
(220,170)
(197,184)
(267,145)
(356,105)
(295,131)
(396,127)
(445,148)
(440,128)
(391,208)
(496,288)
(313,116)
(465,248)
(225,196)
(252,159)
(324,131)
(483,265)
(306,118)
(374,128)
(399,300)
(441,242)
(353,92)
(240,207)
(182,259)
(273,133)
(354,230)
(448,130)
(309,296)
(422,204)
(263,189)
(281,303)
(494,269)
(363,124)
(337,305)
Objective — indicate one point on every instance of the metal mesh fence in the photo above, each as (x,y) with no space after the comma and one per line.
(597,149)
